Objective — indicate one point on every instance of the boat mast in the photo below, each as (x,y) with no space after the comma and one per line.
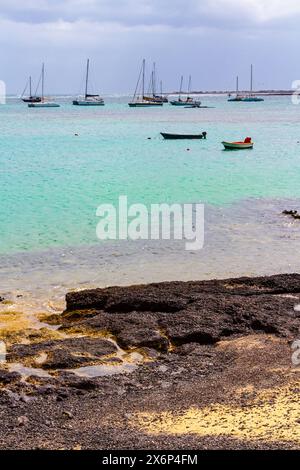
(190,84)
(251,81)
(180,90)
(161,88)
(30,94)
(43,80)
(237,85)
(154,80)
(87,77)
(143,79)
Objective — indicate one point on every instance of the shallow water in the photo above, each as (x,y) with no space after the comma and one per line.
(52,182)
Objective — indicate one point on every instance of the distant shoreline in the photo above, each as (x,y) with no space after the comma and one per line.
(242,92)
(167,93)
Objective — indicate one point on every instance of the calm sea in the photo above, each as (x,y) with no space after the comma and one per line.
(52,181)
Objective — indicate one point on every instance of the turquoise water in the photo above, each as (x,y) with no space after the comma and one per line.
(51,181)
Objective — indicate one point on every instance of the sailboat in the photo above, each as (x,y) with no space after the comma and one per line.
(251,97)
(43,103)
(152,94)
(163,97)
(139,100)
(88,100)
(237,97)
(31,98)
(188,102)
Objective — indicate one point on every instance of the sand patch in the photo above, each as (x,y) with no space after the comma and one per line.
(273,416)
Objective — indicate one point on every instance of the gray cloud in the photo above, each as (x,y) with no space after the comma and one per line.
(212,39)
(175,13)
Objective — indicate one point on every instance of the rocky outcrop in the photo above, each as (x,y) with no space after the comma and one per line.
(210,351)
(204,312)
(63,354)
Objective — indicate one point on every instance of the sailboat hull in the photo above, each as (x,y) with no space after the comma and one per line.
(235,100)
(147,104)
(32,99)
(253,99)
(43,105)
(186,104)
(178,103)
(88,103)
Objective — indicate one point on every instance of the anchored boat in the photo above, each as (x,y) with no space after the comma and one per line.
(43,103)
(251,97)
(188,102)
(237,97)
(31,98)
(88,99)
(139,99)
(247,144)
(168,136)
(152,95)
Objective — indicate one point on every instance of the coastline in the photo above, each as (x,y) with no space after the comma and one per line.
(204,364)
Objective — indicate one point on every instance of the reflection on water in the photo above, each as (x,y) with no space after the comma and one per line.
(26,372)
(130,363)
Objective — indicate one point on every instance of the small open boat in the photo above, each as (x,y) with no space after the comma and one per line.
(183,136)
(247,144)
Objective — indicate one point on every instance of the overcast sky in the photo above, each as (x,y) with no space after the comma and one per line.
(214,40)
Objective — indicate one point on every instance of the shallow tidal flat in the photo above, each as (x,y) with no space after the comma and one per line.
(172,365)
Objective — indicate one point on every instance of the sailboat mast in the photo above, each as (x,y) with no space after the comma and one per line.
(154,79)
(87,77)
(43,80)
(251,81)
(237,85)
(152,83)
(180,91)
(30,94)
(143,79)
(161,88)
(190,84)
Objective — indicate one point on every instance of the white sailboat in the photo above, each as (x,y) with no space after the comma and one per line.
(43,103)
(88,99)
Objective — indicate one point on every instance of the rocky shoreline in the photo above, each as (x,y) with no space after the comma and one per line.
(179,365)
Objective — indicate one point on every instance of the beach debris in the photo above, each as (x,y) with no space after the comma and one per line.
(68,414)
(22,420)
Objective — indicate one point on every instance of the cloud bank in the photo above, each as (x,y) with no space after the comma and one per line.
(199,36)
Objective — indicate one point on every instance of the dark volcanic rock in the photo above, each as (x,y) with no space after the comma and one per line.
(182,312)
(68,353)
(7,377)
